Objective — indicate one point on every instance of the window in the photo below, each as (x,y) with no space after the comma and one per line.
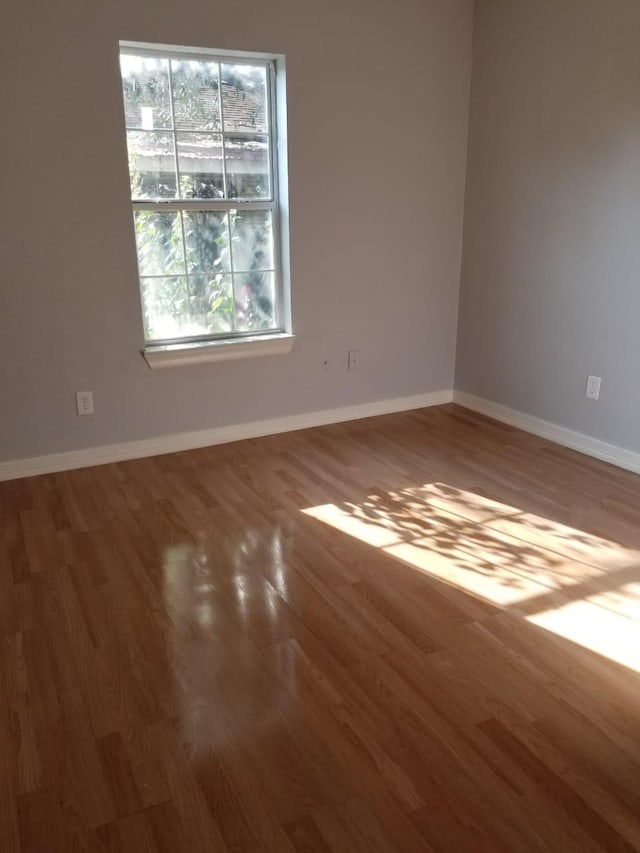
(202,145)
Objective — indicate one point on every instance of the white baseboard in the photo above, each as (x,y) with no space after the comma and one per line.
(12,470)
(619,456)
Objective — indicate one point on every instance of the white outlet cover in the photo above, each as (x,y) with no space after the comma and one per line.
(84,402)
(593,387)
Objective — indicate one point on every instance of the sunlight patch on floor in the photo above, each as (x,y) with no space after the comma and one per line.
(579,586)
(594,625)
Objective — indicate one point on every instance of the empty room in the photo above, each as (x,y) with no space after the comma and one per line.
(319,439)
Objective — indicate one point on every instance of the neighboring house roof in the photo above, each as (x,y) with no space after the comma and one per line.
(243,110)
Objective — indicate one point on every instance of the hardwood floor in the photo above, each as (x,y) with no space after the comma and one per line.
(418,632)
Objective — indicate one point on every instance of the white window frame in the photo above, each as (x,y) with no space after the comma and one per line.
(222,347)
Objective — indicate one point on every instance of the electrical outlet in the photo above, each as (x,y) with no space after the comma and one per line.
(84,402)
(353,359)
(593,387)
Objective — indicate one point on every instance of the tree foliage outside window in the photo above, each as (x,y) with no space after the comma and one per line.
(202,187)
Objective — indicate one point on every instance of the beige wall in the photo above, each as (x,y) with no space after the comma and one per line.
(375,245)
(551,272)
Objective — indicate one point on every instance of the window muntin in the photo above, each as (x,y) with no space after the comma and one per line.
(200,138)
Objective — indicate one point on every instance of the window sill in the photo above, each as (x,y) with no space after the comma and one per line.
(174,355)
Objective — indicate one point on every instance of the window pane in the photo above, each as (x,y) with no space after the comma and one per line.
(252,240)
(177,307)
(244,97)
(165,301)
(211,303)
(207,241)
(196,99)
(255,301)
(152,167)
(145,86)
(247,162)
(200,165)
(159,243)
